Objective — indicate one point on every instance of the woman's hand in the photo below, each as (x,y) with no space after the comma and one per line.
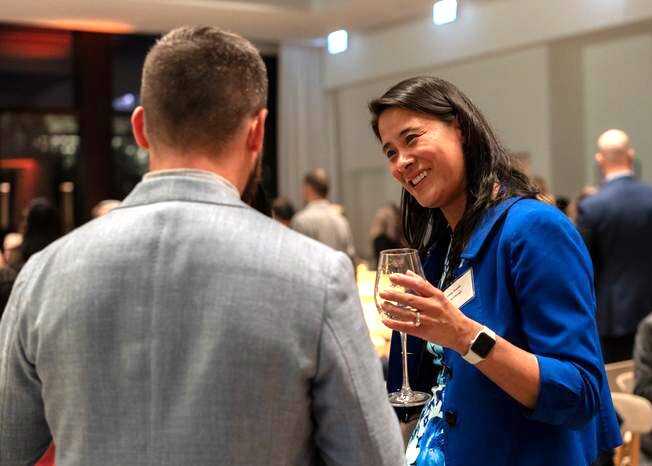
(439,321)
(514,370)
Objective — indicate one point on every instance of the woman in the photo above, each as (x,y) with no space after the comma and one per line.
(42,227)
(510,350)
(385,231)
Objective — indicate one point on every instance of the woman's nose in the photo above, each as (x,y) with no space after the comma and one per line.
(404,161)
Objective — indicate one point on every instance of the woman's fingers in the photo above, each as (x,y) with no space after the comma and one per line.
(401,326)
(414,282)
(396,312)
(400,319)
(408,299)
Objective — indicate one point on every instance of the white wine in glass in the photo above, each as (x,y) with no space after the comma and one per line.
(399,261)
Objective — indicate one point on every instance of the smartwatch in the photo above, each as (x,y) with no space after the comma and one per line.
(481,346)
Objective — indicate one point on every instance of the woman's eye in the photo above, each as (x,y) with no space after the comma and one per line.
(390,153)
(410,138)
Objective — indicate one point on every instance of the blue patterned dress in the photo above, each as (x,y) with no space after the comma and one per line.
(426,445)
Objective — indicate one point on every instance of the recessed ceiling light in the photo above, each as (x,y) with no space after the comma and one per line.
(338,41)
(444,11)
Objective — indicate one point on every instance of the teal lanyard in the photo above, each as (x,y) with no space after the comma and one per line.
(434,348)
(446,265)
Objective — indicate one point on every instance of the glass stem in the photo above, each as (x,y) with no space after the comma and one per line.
(405,388)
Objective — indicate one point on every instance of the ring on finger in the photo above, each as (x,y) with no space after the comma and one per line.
(417,321)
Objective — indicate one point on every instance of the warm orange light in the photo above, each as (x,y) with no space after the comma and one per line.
(22,163)
(34,45)
(89,25)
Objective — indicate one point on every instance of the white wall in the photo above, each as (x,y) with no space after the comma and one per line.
(483,27)
(304,122)
(618,94)
(510,89)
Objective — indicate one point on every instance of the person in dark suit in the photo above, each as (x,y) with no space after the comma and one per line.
(616,224)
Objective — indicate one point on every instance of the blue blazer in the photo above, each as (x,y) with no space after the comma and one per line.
(534,287)
(617,226)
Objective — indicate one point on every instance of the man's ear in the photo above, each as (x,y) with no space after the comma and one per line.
(138,127)
(256,134)
(599,158)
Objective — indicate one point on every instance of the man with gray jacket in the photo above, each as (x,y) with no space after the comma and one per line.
(320,219)
(183,327)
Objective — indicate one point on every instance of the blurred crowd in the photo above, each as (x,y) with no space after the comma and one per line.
(41,225)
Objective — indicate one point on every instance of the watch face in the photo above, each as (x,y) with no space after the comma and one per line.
(483,345)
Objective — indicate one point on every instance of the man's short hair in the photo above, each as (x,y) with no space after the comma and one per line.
(318,181)
(282,209)
(198,85)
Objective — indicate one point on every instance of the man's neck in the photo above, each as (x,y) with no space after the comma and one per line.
(220,166)
(617,172)
(316,200)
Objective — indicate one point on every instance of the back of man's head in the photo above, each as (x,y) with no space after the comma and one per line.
(282,210)
(198,85)
(614,151)
(317,182)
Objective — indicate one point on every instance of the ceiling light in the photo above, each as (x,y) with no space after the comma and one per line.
(338,41)
(444,11)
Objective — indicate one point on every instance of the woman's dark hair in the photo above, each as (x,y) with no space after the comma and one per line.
(42,226)
(491,174)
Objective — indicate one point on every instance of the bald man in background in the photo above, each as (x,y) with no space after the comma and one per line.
(616,224)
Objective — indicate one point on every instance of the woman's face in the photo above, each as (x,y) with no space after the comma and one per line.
(425,155)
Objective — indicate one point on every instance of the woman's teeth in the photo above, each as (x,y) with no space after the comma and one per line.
(419,177)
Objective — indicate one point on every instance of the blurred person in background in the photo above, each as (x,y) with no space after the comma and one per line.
(585,192)
(42,226)
(503,329)
(10,262)
(385,231)
(643,378)
(545,195)
(11,250)
(282,210)
(616,223)
(185,328)
(562,203)
(104,207)
(7,278)
(320,219)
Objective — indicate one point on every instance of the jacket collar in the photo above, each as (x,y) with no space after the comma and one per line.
(618,175)
(183,185)
(616,180)
(486,225)
(318,203)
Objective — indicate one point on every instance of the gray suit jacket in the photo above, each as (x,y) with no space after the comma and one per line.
(185,328)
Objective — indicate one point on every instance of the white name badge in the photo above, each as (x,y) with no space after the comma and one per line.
(461,291)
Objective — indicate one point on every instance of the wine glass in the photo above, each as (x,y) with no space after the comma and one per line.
(399,261)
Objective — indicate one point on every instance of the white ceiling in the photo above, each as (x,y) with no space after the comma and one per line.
(262,20)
